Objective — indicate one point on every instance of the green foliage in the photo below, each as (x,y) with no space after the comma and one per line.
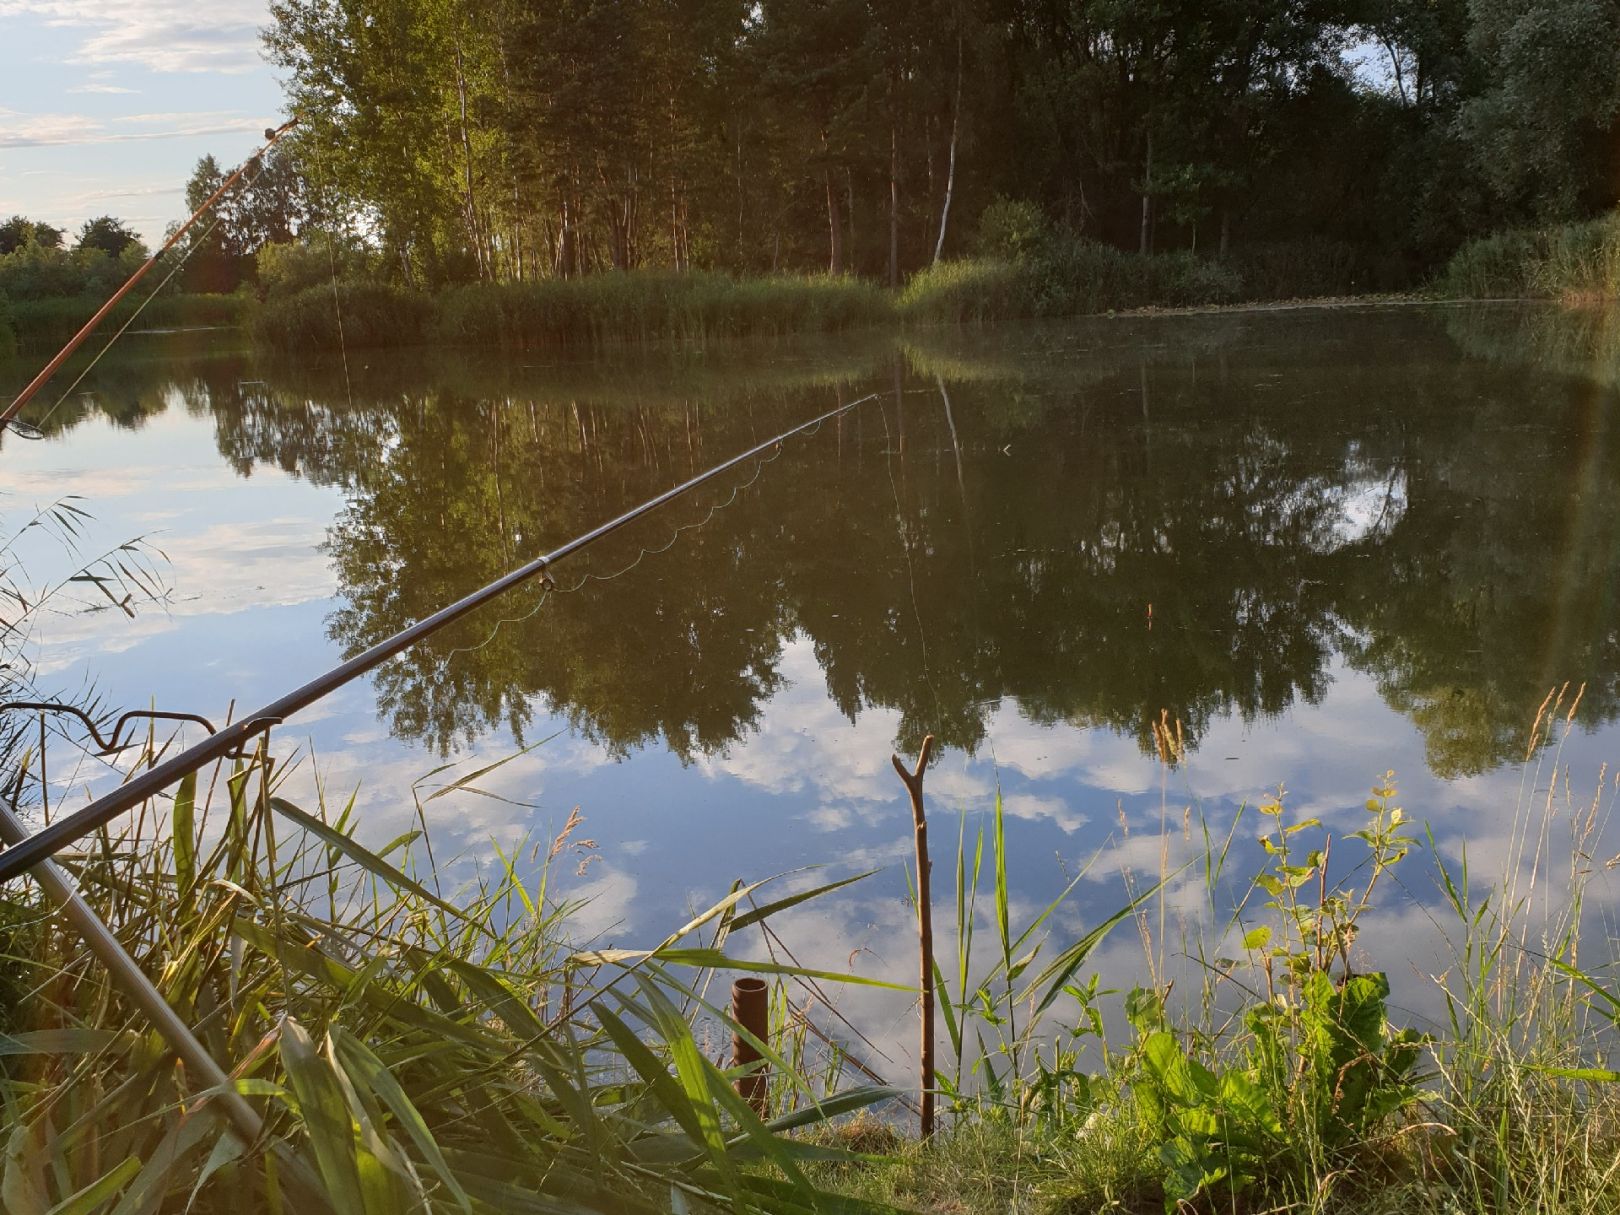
(37,271)
(1566,261)
(333,315)
(109,236)
(533,141)
(1542,124)
(1010,229)
(19,230)
(1318,1069)
(286,267)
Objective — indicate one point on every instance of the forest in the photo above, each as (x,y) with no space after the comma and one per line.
(523,140)
(1262,148)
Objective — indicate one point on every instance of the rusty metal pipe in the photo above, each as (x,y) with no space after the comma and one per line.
(751,1009)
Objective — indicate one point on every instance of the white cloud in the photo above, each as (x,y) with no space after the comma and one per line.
(163,35)
(20,130)
(96,87)
(1032,807)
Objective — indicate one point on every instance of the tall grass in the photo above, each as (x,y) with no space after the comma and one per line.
(1567,261)
(49,321)
(1064,277)
(331,316)
(410,1047)
(1282,1078)
(652,305)
(593,311)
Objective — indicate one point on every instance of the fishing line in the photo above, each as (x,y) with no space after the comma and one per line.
(140,308)
(550,588)
(26,854)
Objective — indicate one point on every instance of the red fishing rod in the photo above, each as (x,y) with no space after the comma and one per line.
(55,365)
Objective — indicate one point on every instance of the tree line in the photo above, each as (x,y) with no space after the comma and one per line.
(518,140)
(521,139)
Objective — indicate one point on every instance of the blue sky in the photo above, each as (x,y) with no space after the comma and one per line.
(105,107)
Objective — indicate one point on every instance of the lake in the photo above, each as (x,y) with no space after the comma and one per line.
(1306,546)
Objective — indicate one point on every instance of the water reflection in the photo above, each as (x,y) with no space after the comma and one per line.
(1096,530)
(1281,529)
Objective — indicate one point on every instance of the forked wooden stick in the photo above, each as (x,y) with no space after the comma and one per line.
(925,928)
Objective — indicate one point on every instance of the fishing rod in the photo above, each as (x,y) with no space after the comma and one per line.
(272,136)
(64,831)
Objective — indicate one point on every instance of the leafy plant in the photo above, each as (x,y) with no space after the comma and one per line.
(1317,1067)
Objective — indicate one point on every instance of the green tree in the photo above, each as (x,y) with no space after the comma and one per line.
(1544,125)
(107,234)
(19,230)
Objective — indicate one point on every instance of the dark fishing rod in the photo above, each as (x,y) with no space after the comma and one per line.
(39,381)
(64,831)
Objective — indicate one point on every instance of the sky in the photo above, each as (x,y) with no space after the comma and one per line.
(106,105)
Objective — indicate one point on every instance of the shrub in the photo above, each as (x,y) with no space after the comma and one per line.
(287,267)
(345,314)
(1565,261)
(1011,229)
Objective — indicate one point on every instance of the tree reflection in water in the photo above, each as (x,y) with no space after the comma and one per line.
(1098,522)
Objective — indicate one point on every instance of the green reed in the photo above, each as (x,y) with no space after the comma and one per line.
(414,1049)
(1285,1078)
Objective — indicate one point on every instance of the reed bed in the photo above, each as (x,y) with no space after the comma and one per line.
(47,322)
(643,306)
(1064,277)
(1281,1076)
(1572,262)
(410,1048)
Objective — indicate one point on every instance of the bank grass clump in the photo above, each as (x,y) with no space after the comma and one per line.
(1063,276)
(409,1046)
(653,305)
(1276,1070)
(1572,262)
(333,316)
(47,322)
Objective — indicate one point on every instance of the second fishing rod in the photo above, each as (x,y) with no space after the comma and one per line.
(229,740)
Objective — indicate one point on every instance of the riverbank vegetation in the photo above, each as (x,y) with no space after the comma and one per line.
(413,1044)
(1183,153)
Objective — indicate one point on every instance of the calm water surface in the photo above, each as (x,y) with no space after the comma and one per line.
(1318,545)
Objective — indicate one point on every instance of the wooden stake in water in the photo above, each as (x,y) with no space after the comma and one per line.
(925,930)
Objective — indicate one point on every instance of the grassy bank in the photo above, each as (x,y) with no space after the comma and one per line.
(1049,276)
(39,325)
(1573,262)
(413,1047)
(409,1047)
(642,306)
